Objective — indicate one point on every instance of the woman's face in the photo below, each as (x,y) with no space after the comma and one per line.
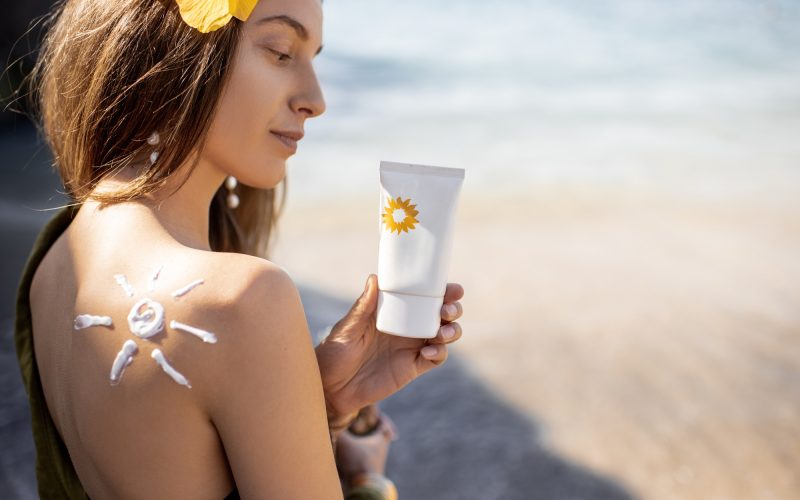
(272,90)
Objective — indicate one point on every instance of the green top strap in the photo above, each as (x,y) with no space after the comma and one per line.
(54,471)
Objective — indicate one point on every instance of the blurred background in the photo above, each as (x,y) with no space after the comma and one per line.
(628,237)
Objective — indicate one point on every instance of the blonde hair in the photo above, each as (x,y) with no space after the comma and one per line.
(111,72)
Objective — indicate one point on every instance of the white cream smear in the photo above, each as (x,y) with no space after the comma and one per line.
(168,369)
(207,337)
(123,282)
(145,320)
(151,285)
(183,291)
(123,359)
(144,323)
(86,320)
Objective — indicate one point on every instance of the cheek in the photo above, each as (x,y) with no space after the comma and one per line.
(239,142)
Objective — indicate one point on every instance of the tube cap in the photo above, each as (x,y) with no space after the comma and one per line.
(406,315)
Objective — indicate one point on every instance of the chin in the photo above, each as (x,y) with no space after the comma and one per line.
(268,176)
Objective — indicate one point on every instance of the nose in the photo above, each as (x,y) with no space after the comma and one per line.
(309,99)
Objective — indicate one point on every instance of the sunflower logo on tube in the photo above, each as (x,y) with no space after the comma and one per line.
(398,215)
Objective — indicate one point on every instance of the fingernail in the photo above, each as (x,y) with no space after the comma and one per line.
(429,351)
(450,309)
(448,331)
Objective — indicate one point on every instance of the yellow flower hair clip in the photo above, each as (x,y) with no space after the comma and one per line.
(211,15)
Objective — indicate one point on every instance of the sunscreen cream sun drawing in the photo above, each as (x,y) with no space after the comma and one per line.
(145,320)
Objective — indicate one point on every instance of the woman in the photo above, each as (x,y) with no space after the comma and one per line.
(163,355)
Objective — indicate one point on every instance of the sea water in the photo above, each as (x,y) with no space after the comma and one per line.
(701,96)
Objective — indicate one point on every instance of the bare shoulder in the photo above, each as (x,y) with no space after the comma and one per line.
(221,312)
(234,283)
(254,309)
(261,384)
(264,306)
(234,277)
(256,282)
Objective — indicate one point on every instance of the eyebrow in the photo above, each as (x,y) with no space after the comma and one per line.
(291,22)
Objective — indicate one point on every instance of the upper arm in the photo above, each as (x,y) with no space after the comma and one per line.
(267,401)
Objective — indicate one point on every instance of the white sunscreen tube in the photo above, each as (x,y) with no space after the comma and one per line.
(418,208)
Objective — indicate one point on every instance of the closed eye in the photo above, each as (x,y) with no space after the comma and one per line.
(282,56)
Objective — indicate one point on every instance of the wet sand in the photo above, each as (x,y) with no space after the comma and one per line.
(654,339)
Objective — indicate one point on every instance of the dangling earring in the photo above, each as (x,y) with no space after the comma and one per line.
(153,140)
(232,199)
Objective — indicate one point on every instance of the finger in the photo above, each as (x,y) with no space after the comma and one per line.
(431,356)
(447,334)
(451,311)
(365,305)
(453,292)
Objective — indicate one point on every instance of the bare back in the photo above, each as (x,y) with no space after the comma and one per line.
(148,436)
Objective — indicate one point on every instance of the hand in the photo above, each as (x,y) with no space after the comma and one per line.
(365,454)
(360,365)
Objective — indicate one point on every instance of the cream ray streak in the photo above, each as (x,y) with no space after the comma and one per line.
(86,320)
(123,359)
(151,284)
(123,282)
(183,291)
(168,369)
(207,337)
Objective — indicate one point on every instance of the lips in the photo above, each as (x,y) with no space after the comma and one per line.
(288,138)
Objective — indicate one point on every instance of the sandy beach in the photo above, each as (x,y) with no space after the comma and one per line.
(653,338)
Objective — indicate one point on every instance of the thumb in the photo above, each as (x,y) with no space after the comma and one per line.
(366,304)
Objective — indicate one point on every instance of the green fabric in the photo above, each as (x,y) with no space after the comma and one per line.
(54,471)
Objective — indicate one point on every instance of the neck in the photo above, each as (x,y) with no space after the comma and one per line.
(182,214)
